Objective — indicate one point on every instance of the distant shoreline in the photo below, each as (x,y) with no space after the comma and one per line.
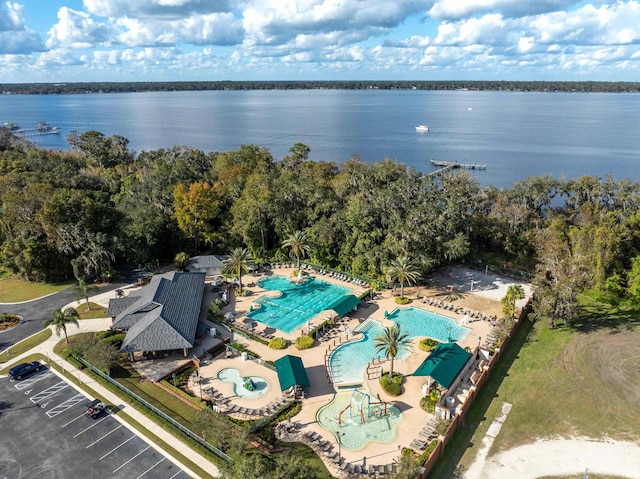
(507,86)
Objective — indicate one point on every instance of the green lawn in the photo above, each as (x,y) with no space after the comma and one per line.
(15,291)
(95,311)
(25,345)
(563,382)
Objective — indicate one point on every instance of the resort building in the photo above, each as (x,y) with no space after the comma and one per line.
(210,264)
(162,316)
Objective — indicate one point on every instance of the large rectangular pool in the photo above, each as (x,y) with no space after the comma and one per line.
(297,303)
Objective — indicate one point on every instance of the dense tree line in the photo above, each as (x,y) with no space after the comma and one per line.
(479,85)
(76,213)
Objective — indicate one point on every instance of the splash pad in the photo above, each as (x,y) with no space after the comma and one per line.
(356,418)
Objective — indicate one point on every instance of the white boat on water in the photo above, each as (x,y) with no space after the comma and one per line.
(422,128)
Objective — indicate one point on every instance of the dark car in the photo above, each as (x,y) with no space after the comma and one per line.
(21,370)
(96,408)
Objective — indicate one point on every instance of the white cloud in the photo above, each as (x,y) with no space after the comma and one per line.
(459,9)
(76,30)
(15,38)
(167,9)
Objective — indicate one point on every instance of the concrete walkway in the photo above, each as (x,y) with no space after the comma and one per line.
(101,324)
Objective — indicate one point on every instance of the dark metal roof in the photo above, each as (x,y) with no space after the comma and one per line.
(165,313)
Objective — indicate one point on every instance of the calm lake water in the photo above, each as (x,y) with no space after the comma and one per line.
(515,135)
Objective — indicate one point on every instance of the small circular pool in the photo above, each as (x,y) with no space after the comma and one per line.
(355,419)
(255,385)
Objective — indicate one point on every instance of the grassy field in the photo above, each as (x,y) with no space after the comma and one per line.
(15,291)
(25,345)
(583,380)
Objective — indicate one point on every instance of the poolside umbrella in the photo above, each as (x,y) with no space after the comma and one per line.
(269,330)
(249,323)
(229,315)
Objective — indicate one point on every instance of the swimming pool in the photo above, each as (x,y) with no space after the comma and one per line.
(260,385)
(348,362)
(297,303)
(363,422)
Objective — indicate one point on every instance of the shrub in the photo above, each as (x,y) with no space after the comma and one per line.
(278,343)
(107,333)
(402,300)
(393,385)
(428,344)
(304,342)
(428,403)
(115,339)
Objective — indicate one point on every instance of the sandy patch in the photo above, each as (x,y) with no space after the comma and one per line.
(559,457)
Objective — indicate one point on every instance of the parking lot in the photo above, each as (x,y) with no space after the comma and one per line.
(46,433)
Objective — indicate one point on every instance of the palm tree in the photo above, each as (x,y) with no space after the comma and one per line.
(237,263)
(84,290)
(61,318)
(403,270)
(390,343)
(297,244)
(515,292)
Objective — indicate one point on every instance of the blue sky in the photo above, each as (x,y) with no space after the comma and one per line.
(173,40)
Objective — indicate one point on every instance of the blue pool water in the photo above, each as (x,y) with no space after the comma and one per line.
(352,432)
(233,375)
(297,303)
(348,362)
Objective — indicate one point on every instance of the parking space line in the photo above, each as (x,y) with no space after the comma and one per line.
(97,440)
(72,421)
(117,447)
(122,465)
(63,406)
(163,458)
(48,392)
(176,474)
(25,383)
(93,425)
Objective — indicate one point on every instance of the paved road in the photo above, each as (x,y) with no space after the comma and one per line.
(35,312)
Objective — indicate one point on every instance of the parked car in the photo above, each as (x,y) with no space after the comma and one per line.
(22,370)
(96,408)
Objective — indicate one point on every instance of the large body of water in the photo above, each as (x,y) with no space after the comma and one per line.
(515,135)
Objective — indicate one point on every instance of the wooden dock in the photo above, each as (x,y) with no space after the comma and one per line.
(455,164)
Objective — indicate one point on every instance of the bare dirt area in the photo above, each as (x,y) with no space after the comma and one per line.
(579,403)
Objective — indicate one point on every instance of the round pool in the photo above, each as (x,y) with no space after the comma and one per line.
(356,419)
(256,386)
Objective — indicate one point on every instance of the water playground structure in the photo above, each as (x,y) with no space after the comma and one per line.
(359,404)
(248,383)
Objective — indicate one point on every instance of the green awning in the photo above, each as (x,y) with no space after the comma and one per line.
(346,304)
(443,364)
(291,371)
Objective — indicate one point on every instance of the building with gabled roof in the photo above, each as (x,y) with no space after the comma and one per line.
(162,315)
(210,264)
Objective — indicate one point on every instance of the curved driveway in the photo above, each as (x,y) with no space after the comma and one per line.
(35,312)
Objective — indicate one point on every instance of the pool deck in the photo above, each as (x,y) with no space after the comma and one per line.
(485,299)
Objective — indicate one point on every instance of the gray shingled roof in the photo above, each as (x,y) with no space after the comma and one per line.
(206,261)
(118,305)
(164,315)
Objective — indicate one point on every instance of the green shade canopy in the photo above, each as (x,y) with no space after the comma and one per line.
(443,364)
(291,371)
(344,305)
